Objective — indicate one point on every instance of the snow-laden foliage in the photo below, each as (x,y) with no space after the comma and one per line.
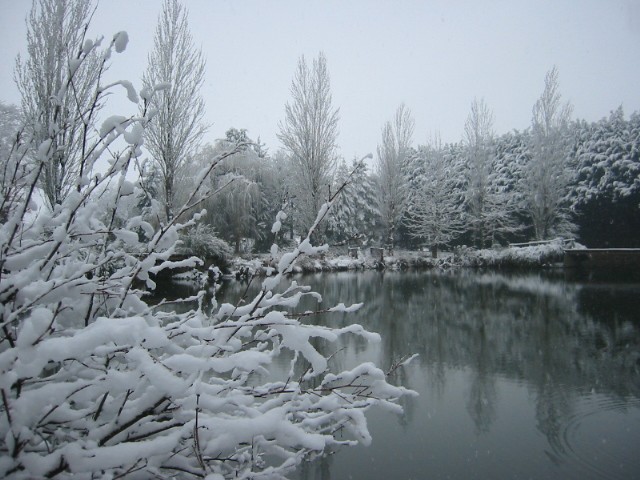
(606,194)
(97,383)
(588,174)
(490,204)
(435,213)
(10,120)
(202,241)
(353,219)
(236,210)
(527,256)
(608,158)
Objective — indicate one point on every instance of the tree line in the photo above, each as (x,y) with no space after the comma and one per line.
(558,178)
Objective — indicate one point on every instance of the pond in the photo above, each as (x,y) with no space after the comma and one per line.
(519,375)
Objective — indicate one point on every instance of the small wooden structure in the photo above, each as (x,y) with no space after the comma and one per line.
(353,251)
(628,258)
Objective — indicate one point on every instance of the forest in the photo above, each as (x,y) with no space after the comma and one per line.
(561,177)
(475,200)
(478,192)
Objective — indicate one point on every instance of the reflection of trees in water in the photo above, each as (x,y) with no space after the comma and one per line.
(482,395)
(530,329)
(482,401)
(554,406)
(525,327)
(561,339)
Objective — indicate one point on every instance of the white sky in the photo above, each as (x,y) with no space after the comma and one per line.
(435,56)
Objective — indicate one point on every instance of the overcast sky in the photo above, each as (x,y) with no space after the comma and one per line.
(435,56)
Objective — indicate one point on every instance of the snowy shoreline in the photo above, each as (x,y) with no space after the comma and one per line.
(538,256)
(547,256)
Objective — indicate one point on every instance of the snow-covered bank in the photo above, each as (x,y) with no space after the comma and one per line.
(534,256)
(538,256)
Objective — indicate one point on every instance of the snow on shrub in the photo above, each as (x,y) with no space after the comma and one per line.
(202,241)
(96,383)
(529,256)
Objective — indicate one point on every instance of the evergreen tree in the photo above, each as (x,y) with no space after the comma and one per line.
(355,214)
(606,194)
(435,208)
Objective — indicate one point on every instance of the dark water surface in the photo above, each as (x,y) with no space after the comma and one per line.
(520,376)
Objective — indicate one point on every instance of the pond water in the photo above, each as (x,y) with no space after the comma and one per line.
(519,376)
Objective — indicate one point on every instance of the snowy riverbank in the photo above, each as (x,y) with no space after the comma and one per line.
(538,256)
(549,255)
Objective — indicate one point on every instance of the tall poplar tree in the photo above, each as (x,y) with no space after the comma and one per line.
(176,64)
(393,158)
(549,174)
(58,91)
(309,134)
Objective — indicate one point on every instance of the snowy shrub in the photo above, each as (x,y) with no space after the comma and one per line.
(96,383)
(202,241)
(516,257)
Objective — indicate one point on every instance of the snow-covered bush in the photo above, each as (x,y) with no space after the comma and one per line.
(96,383)
(202,241)
(516,257)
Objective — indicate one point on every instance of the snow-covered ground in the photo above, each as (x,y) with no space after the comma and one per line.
(545,255)
(535,256)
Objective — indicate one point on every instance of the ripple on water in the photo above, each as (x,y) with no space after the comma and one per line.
(602,437)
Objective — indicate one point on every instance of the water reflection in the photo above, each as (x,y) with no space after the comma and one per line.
(519,375)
